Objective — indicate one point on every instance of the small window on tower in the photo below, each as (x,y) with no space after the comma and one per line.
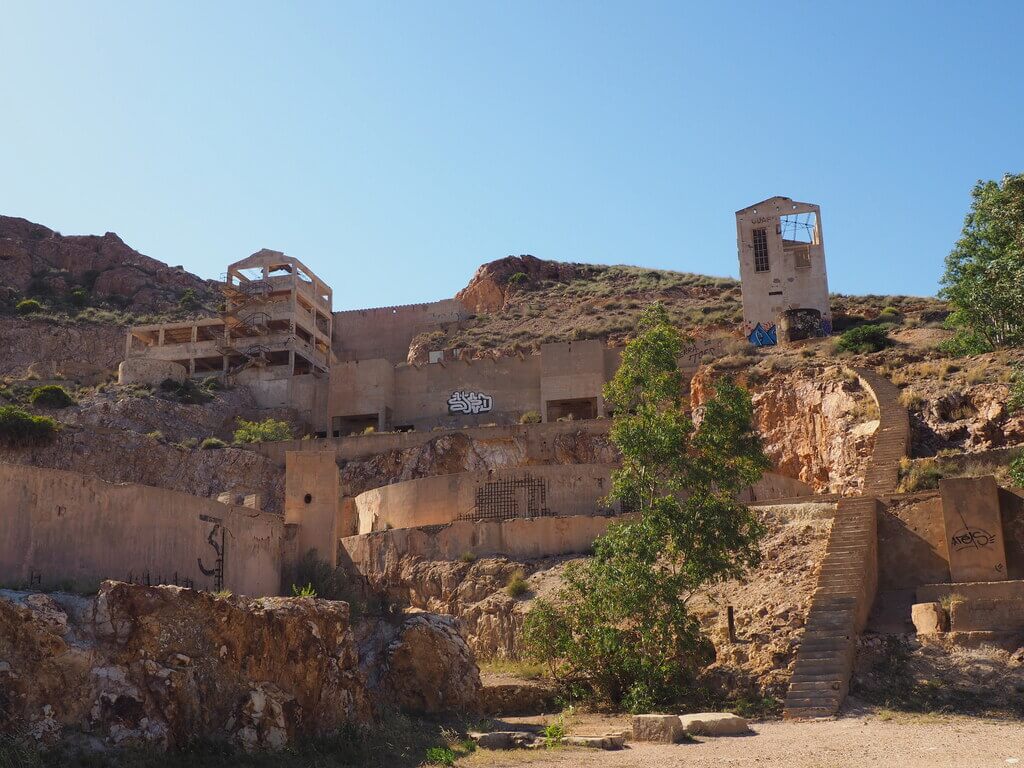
(760,250)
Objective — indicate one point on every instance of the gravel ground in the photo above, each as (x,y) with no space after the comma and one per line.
(850,742)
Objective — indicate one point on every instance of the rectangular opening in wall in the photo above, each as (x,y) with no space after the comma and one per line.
(209,364)
(343,426)
(576,409)
(799,228)
(760,250)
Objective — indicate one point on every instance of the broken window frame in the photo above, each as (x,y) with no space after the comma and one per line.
(759,237)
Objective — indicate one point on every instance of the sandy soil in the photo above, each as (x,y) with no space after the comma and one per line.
(872,741)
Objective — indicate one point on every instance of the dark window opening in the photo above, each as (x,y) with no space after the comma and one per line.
(761,250)
(343,426)
(308,498)
(572,410)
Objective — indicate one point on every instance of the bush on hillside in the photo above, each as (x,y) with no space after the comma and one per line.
(266,431)
(51,396)
(28,307)
(864,338)
(530,417)
(212,443)
(19,427)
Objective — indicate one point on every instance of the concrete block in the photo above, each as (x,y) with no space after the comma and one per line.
(609,742)
(714,724)
(665,729)
(929,618)
(987,615)
(974,528)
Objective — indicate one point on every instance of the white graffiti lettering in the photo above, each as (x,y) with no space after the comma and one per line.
(469,402)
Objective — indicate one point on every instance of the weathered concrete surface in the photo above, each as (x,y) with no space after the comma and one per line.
(60,527)
(666,729)
(974,528)
(141,370)
(987,615)
(714,724)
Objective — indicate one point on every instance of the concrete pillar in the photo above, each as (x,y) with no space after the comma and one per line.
(312,502)
(974,528)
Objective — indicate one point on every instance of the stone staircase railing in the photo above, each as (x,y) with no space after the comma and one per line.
(849,573)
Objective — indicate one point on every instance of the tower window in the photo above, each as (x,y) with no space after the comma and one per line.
(760,250)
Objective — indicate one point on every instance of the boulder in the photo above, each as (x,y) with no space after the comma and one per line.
(929,618)
(666,729)
(713,724)
(429,669)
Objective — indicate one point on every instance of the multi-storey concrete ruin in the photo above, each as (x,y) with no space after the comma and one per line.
(782,271)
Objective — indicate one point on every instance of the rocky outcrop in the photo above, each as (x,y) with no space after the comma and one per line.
(34,259)
(455,452)
(422,666)
(817,425)
(165,666)
(972,419)
(490,286)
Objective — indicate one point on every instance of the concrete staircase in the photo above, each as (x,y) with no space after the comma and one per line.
(849,574)
(839,610)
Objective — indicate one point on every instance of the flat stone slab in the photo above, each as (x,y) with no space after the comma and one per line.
(714,724)
(609,741)
(665,729)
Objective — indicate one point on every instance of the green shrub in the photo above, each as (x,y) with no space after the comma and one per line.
(440,756)
(28,306)
(518,278)
(212,443)
(19,427)
(303,591)
(51,396)
(327,582)
(920,475)
(187,392)
(530,417)
(554,734)
(79,297)
(266,431)
(1017,471)
(517,586)
(189,300)
(467,557)
(864,338)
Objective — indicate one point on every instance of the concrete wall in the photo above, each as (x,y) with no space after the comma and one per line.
(536,537)
(568,490)
(365,334)
(145,370)
(912,539)
(558,490)
(312,502)
(766,295)
(58,527)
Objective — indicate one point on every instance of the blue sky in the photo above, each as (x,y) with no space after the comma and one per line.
(395,147)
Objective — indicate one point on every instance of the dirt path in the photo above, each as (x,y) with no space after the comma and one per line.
(850,742)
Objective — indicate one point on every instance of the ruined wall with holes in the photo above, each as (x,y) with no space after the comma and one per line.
(64,528)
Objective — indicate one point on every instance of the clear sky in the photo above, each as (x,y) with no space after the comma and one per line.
(395,147)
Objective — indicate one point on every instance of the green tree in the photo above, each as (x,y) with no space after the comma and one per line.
(189,300)
(620,626)
(1016,403)
(984,278)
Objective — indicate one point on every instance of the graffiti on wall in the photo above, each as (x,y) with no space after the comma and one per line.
(763,337)
(216,541)
(462,401)
(694,352)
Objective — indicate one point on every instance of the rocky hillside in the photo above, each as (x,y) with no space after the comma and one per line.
(521,302)
(36,262)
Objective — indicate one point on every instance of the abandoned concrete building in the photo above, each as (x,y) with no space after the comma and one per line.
(782,271)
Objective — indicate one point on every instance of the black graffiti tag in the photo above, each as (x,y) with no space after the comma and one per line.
(971,538)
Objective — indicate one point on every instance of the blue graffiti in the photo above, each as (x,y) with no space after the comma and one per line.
(826,327)
(763,337)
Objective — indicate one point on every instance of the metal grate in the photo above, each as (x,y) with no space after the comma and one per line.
(760,250)
(509,499)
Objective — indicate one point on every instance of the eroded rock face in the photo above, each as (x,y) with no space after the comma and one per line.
(455,452)
(165,665)
(974,419)
(816,426)
(489,287)
(427,668)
